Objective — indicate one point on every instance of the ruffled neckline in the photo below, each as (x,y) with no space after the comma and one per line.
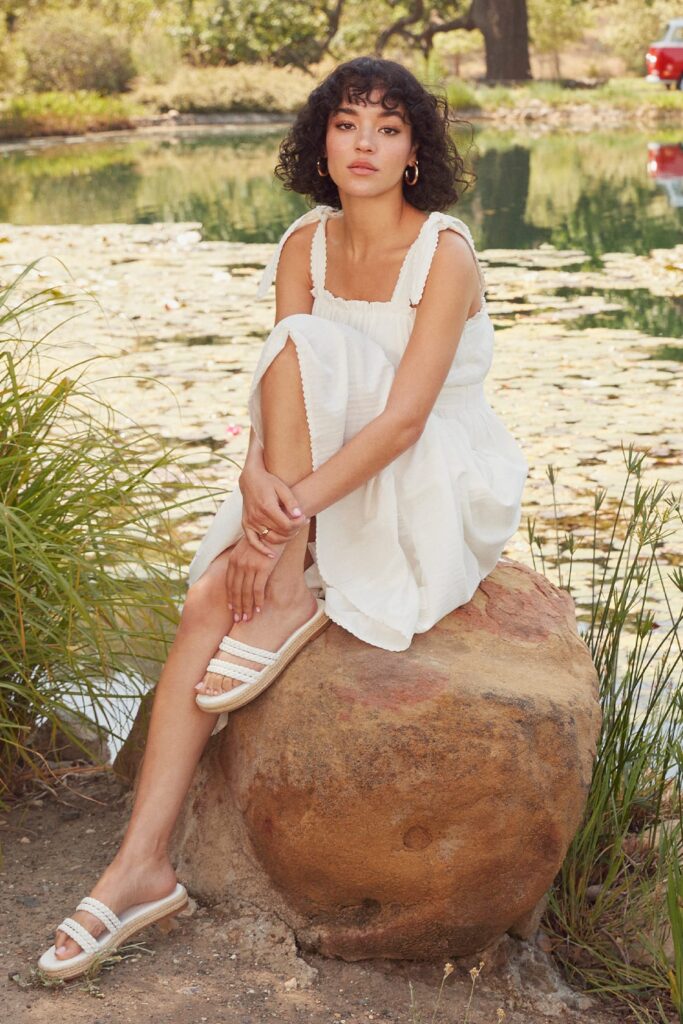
(398,304)
(393,304)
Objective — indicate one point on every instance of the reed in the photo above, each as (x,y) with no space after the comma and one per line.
(615,911)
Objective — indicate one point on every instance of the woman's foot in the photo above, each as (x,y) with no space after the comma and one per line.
(283,612)
(122,885)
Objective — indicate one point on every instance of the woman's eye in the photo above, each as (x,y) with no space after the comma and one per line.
(349,124)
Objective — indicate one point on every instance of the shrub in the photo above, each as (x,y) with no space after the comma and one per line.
(76,50)
(8,63)
(243,87)
(59,113)
(460,96)
(637,25)
(156,53)
(90,575)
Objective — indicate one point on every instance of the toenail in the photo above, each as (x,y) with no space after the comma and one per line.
(61,949)
(245,616)
(236,617)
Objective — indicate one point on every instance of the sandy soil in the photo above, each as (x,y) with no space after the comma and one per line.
(227,962)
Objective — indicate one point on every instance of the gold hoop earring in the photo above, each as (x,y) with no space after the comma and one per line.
(413,180)
(325,173)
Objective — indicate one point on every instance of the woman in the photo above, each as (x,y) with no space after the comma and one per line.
(379,487)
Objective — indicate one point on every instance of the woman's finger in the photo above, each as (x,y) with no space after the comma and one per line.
(254,539)
(260,581)
(248,594)
(230,572)
(236,592)
(269,513)
(287,499)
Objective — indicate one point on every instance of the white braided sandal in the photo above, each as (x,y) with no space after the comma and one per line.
(256,680)
(118,929)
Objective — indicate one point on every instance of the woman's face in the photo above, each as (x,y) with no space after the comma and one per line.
(369,134)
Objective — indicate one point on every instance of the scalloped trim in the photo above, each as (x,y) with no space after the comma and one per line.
(395,299)
(313,258)
(270,269)
(454,224)
(413,248)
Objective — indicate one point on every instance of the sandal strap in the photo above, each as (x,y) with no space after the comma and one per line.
(100,910)
(226,668)
(79,934)
(231,646)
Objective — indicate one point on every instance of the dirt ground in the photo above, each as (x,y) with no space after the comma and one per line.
(224,963)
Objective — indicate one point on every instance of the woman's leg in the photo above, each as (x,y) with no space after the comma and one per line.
(178,731)
(287,454)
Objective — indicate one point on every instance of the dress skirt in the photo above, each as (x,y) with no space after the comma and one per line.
(405,548)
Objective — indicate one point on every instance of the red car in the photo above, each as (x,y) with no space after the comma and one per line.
(665,165)
(665,58)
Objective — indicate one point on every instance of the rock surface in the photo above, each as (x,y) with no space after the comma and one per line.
(405,805)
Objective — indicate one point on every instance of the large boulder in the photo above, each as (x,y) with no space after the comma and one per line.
(406,805)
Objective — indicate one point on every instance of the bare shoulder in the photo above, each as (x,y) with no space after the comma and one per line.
(295,256)
(453,269)
(454,253)
(293,283)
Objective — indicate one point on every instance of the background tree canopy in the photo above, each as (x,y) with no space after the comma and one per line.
(299,33)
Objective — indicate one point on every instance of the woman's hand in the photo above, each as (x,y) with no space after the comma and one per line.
(263,494)
(246,577)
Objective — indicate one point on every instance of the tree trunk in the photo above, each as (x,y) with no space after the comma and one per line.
(503,24)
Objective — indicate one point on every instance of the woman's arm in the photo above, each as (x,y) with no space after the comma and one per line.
(450,291)
(254,457)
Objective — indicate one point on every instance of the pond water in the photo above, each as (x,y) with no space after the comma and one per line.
(598,192)
(610,192)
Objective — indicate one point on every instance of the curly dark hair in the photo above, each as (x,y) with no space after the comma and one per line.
(442,176)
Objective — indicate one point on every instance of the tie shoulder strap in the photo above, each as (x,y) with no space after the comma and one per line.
(270,270)
(424,254)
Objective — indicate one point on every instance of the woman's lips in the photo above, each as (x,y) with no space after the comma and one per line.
(362,170)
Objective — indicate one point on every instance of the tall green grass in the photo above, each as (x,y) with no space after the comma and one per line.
(90,567)
(615,911)
(64,113)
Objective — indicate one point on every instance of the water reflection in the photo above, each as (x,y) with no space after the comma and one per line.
(659,316)
(591,191)
(665,165)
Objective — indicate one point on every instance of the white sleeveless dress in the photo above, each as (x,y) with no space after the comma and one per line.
(412,543)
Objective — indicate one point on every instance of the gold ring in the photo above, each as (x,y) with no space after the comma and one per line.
(264,531)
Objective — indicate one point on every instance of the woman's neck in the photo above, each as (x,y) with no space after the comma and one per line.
(367,224)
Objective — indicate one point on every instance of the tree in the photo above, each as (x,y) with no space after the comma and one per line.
(554,23)
(297,33)
(503,24)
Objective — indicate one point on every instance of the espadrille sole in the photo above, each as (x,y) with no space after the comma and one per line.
(240,695)
(132,921)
